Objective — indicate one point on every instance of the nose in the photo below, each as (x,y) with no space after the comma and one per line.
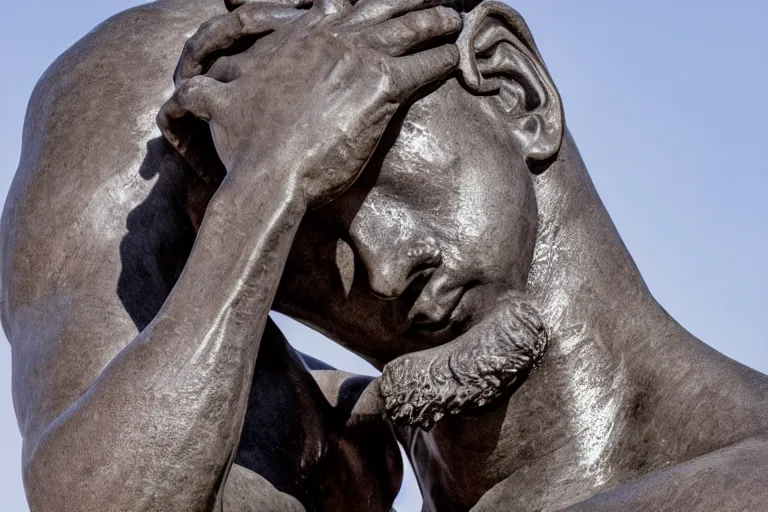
(393,267)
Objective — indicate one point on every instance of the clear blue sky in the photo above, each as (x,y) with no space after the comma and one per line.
(668,101)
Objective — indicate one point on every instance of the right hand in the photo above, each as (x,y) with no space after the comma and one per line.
(314,96)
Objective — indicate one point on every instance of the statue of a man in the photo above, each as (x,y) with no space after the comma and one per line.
(399,176)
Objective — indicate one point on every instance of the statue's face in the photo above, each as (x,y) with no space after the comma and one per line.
(441,224)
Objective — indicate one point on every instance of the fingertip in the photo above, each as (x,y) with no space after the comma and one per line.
(451,18)
(197,96)
(450,57)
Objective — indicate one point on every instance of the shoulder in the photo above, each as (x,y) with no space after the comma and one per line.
(102,85)
(92,114)
(88,130)
(246,491)
(91,155)
(732,478)
(131,52)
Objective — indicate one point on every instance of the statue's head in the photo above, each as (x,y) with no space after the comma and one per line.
(443,222)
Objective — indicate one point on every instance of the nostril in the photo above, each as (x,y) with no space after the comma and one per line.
(403,272)
(420,269)
(391,285)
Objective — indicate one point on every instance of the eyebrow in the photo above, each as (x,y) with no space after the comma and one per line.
(416,139)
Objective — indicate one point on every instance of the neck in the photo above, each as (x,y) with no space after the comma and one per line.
(583,278)
(591,295)
(620,389)
(632,379)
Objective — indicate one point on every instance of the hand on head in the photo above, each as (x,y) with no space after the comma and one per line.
(313,96)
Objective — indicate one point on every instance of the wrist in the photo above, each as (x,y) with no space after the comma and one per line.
(260,190)
(245,237)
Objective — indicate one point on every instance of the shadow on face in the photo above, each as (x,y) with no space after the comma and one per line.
(443,220)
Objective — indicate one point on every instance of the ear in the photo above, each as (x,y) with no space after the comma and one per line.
(499,59)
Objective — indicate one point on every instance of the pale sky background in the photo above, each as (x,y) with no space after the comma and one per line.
(667,101)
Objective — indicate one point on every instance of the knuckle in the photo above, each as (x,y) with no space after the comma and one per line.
(244,17)
(182,96)
(206,27)
(388,79)
(448,19)
(191,90)
(192,48)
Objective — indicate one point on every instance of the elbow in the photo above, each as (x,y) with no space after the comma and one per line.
(54,480)
(45,484)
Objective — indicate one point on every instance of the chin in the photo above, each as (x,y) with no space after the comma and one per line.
(470,370)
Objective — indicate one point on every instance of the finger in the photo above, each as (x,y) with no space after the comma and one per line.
(412,72)
(197,96)
(221,32)
(328,7)
(231,5)
(401,35)
(371,12)
(182,121)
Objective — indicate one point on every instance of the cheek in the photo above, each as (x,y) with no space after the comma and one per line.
(485,224)
(383,222)
(497,218)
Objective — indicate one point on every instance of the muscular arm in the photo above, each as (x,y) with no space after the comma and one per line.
(733,478)
(161,422)
(105,411)
(151,421)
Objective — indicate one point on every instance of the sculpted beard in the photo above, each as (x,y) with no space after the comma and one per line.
(469,372)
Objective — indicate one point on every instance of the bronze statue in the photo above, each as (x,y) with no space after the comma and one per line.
(396,174)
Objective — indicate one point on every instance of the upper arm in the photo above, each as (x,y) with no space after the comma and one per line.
(246,491)
(95,219)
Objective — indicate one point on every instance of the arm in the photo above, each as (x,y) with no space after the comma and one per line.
(157,428)
(179,389)
(732,478)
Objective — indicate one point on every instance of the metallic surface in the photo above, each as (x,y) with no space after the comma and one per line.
(398,175)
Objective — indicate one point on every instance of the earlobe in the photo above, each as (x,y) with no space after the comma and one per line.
(499,58)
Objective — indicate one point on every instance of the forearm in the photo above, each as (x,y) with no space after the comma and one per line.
(158,428)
